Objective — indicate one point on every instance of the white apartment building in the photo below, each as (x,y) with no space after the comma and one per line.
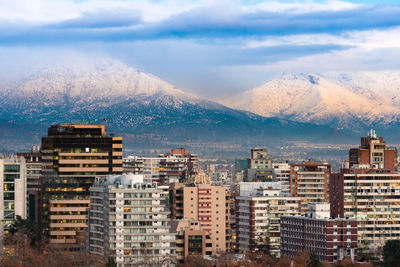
(258,219)
(374,200)
(128,220)
(13,193)
(282,174)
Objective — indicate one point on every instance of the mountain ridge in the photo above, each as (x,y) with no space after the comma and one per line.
(136,102)
(335,100)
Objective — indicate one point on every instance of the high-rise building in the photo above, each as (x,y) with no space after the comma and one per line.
(258,213)
(310,182)
(72,156)
(34,165)
(208,204)
(129,220)
(176,166)
(372,197)
(12,191)
(374,152)
(329,239)
(282,174)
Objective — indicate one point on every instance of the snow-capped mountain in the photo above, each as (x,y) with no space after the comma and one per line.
(352,101)
(133,102)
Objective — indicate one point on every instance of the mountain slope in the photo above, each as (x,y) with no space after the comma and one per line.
(341,101)
(138,103)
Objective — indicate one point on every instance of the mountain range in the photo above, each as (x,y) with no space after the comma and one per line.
(351,102)
(133,103)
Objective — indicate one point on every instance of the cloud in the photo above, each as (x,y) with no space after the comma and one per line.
(205,46)
(208,22)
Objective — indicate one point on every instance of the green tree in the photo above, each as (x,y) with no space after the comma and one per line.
(314,262)
(29,228)
(111,262)
(391,253)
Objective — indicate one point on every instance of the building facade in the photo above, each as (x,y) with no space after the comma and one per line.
(208,204)
(373,151)
(258,219)
(33,176)
(13,191)
(282,174)
(371,196)
(129,220)
(310,182)
(176,166)
(72,156)
(328,239)
(191,239)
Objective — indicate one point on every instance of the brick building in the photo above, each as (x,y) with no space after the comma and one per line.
(328,239)
(373,151)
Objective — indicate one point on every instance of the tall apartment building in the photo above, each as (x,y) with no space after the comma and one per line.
(176,166)
(208,204)
(34,165)
(72,156)
(12,191)
(282,174)
(373,151)
(329,239)
(191,239)
(258,218)
(129,220)
(310,182)
(372,197)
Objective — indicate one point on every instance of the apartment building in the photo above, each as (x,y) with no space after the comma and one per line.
(258,214)
(208,204)
(373,151)
(34,165)
(259,159)
(12,190)
(327,238)
(176,166)
(310,182)
(282,174)
(191,239)
(372,197)
(73,155)
(129,220)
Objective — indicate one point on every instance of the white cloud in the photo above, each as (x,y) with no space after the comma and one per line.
(368,40)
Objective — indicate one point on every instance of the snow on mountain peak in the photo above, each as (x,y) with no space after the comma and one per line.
(93,80)
(317,98)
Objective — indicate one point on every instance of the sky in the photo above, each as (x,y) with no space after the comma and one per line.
(213,48)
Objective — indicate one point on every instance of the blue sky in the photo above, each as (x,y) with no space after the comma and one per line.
(209,47)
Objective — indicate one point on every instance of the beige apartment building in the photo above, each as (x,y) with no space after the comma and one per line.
(207,204)
(72,156)
(310,182)
(191,239)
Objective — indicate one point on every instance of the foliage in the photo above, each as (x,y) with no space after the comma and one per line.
(29,228)
(391,253)
(111,262)
(18,252)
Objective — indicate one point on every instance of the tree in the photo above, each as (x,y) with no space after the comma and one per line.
(29,228)
(314,262)
(111,262)
(391,253)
